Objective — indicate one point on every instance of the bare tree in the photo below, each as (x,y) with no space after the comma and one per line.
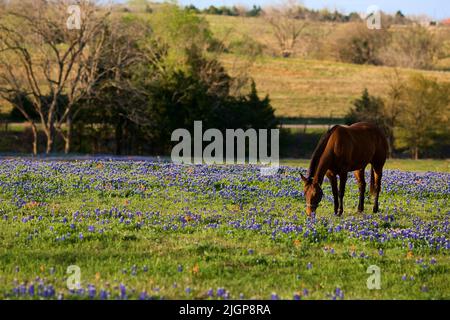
(286,25)
(124,51)
(49,63)
(414,46)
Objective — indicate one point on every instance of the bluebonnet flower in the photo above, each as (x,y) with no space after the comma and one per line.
(220,292)
(91,291)
(31,289)
(143,295)
(123,291)
(103,294)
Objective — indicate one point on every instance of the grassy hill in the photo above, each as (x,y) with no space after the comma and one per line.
(304,86)
(316,88)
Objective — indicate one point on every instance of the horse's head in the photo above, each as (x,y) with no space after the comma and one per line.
(313,195)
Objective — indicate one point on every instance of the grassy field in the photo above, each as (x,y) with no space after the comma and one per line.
(422,165)
(315,88)
(157,230)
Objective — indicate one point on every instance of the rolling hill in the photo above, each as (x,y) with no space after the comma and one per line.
(304,86)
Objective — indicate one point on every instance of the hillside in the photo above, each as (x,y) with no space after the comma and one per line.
(312,88)
(304,86)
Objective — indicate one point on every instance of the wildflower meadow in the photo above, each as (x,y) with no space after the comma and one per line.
(141,229)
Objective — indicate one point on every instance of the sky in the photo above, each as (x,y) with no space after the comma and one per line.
(437,9)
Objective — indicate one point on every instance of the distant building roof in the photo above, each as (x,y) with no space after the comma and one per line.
(446,22)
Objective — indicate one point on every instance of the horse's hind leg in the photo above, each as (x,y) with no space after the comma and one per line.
(377,174)
(359,175)
(334,188)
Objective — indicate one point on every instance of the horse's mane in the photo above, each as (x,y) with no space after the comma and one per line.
(318,151)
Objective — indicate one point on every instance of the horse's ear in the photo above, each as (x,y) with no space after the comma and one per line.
(305,180)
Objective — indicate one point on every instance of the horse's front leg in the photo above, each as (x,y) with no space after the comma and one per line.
(342,182)
(359,175)
(334,188)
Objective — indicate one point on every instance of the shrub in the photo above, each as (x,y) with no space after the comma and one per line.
(246,46)
(355,43)
(411,47)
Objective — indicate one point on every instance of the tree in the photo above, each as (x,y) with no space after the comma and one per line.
(393,106)
(41,58)
(255,11)
(425,113)
(355,43)
(411,47)
(367,109)
(115,98)
(286,26)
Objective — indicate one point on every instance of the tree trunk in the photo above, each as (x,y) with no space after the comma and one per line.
(415,153)
(50,135)
(390,145)
(119,136)
(35,138)
(68,137)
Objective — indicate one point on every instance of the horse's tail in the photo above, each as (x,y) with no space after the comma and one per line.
(372,181)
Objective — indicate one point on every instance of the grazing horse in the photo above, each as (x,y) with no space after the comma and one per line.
(340,150)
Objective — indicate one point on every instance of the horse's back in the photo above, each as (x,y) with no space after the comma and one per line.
(359,144)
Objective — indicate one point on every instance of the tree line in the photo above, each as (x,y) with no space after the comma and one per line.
(301,12)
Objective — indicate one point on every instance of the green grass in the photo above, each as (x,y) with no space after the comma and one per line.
(241,260)
(404,164)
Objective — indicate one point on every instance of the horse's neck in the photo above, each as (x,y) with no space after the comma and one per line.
(322,167)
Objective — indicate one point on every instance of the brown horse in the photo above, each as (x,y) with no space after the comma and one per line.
(340,150)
